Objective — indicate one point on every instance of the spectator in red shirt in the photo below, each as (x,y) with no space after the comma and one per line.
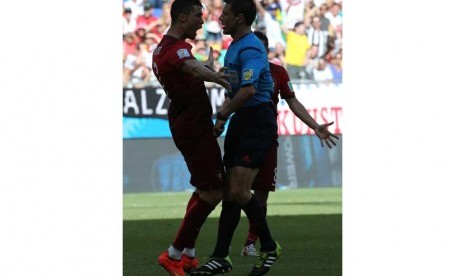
(129,45)
(140,34)
(147,20)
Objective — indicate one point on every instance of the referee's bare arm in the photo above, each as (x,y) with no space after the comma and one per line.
(245,93)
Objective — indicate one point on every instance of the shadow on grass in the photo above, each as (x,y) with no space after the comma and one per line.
(312,245)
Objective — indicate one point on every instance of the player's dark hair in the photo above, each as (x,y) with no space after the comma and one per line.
(182,6)
(246,7)
(262,37)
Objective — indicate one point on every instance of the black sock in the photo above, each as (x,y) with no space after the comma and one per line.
(229,219)
(254,213)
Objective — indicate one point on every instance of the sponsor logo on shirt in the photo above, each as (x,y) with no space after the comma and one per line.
(182,53)
(247,74)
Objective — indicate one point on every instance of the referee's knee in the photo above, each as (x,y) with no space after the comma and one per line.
(241,196)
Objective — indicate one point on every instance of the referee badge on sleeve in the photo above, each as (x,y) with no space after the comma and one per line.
(247,74)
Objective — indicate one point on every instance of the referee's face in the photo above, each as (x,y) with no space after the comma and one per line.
(228,20)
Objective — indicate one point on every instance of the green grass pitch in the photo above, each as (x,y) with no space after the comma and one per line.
(306,222)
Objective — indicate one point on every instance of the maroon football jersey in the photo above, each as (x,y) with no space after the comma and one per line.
(282,84)
(190,110)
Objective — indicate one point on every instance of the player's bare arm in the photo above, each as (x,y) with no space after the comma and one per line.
(320,130)
(198,70)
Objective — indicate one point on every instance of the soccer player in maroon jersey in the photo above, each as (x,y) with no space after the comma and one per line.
(266,178)
(190,120)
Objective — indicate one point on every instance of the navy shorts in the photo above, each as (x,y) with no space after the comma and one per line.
(203,159)
(251,133)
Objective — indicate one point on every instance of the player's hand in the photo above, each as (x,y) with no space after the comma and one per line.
(223,73)
(223,81)
(218,129)
(224,70)
(325,135)
(210,60)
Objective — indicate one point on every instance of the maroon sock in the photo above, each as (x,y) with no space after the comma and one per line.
(192,200)
(196,215)
(252,236)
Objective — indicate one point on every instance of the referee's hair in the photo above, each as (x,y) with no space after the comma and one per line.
(262,37)
(246,7)
(182,6)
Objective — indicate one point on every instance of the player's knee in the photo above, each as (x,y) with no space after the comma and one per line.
(234,193)
(240,196)
(213,197)
(262,197)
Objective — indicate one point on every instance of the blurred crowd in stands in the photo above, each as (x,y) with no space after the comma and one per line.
(305,36)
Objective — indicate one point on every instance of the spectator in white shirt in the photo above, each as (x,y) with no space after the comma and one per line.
(273,28)
(316,36)
(136,6)
(322,73)
(129,23)
(293,11)
(334,17)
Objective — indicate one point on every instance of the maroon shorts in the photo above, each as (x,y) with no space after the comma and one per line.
(266,177)
(203,159)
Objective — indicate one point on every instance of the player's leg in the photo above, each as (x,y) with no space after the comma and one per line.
(239,189)
(270,250)
(262,135)
(219,261)
(249,248)
(263,184)
(203,159)
(201,205)
(237,193)
(239,196)
(181,253)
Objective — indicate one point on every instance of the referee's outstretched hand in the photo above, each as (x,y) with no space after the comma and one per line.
(325,135)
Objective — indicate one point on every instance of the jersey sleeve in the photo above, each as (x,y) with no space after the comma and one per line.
(178,54)
(283,83)
(252,64)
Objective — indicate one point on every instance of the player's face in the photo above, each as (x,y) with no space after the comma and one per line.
(228,20)
(194,22)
